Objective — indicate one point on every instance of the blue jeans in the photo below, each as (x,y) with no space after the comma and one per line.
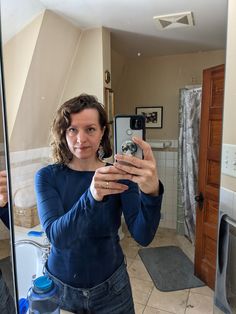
(7,305)
(113,296)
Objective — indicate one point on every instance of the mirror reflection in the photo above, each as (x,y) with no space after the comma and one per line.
(7,304)
(53,57)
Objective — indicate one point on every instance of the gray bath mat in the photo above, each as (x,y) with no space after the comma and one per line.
(169,268)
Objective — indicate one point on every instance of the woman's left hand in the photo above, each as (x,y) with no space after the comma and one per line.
(143,171)
(3,188)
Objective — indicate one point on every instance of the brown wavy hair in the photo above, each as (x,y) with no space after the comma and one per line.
(62,120)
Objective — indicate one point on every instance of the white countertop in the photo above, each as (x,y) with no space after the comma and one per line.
(22,233)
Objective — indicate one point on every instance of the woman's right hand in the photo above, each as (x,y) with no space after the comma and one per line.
(104,182)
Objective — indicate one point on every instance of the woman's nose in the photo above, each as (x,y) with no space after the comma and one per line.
(81,137)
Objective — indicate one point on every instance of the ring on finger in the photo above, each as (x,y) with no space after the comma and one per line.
(107,185)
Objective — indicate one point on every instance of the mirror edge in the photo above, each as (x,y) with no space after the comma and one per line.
(7,161)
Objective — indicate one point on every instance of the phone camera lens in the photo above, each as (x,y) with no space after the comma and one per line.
(136,123)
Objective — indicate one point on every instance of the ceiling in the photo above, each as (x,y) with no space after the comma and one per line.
(131,22)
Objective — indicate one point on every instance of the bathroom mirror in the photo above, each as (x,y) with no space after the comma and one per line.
(50,55)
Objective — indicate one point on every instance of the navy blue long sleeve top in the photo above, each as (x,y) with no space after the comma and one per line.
(83,232)
(4,215)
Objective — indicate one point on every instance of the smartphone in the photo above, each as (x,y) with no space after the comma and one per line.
(125,127)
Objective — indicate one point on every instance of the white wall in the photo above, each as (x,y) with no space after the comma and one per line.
(17,55)
(86,75)
(229,130)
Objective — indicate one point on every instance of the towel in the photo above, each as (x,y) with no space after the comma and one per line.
(220,297)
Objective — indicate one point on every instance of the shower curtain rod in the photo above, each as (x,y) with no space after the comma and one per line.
(193,86)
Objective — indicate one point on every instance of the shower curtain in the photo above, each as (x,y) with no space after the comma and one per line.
(189,124)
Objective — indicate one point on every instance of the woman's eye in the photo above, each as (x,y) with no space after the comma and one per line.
(91,130)
(72,131)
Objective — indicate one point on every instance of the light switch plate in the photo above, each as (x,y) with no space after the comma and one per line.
(228,165)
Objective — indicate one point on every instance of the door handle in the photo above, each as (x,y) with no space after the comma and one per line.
(199,199)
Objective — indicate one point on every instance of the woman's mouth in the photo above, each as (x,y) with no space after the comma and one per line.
(81,147)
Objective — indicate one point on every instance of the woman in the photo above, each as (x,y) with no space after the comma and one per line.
(80,201)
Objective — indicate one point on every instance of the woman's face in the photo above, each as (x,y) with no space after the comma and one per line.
(84,134)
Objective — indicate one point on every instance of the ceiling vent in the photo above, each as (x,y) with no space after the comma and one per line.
(176,20)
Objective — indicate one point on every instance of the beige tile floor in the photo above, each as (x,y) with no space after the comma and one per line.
(147,298)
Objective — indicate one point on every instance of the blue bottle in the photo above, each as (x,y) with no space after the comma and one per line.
(23,306)
(43,296)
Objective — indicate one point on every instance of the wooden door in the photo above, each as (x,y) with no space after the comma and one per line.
(209,174)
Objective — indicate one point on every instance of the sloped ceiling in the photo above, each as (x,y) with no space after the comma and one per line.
(131,22)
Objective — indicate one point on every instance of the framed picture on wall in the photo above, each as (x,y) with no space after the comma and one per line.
(153,116)
(109,103)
